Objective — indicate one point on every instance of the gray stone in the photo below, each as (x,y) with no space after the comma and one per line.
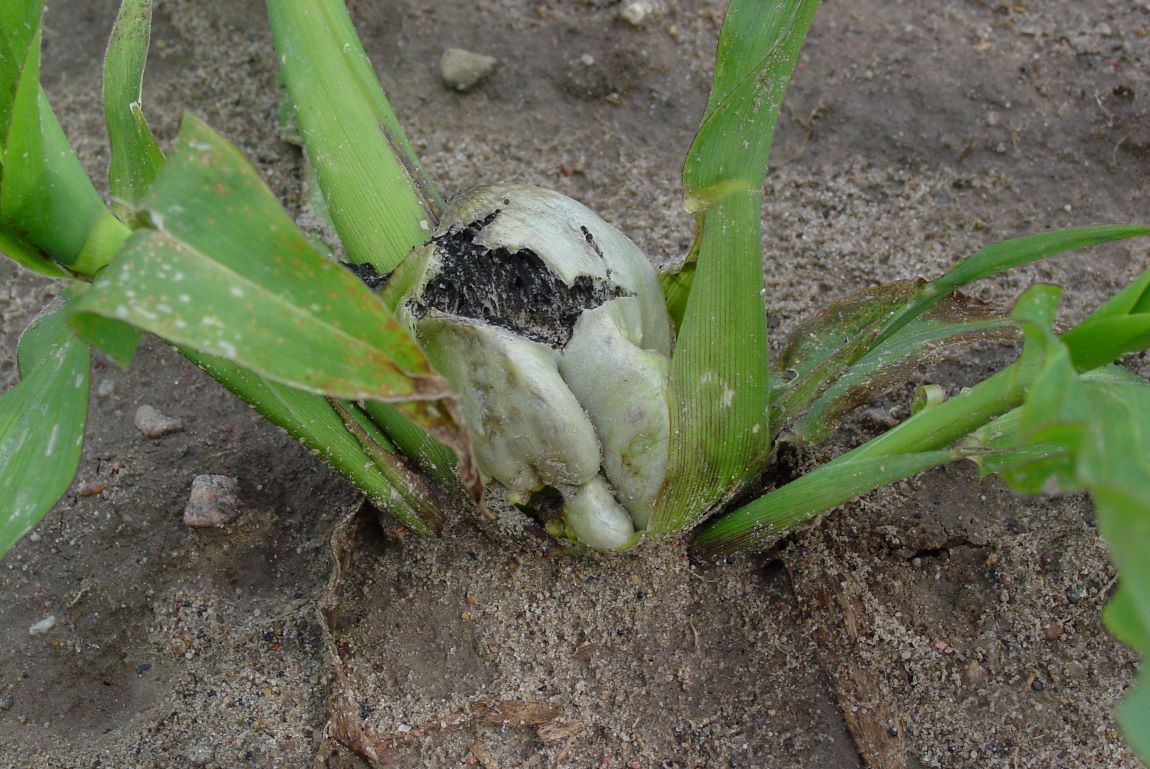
(153,424)
(463,70)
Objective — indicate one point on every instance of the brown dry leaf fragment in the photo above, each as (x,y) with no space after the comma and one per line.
(830,600)
(559,729)
(515,713)
(483,755)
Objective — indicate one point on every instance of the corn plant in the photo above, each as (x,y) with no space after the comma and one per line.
(510,344)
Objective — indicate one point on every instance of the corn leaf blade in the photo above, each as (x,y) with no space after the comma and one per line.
(227,273)
(133,154)
(313,421)
(432,456)
(47,201)
(822,387)
(1091,432)
(720,401)
(760,522)
(29,257)
(42,422)
(925,440)
(1006,255)
(381,202)
(720,397)
(757,51)
(19,32)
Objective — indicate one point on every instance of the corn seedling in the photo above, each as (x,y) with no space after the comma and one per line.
(511,338)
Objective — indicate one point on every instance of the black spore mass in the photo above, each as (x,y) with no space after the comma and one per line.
(514,290)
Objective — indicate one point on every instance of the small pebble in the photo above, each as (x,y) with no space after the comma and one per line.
(90,488)
(1053,631)
(1037,685)
(105,388)
(637,12)
(1075,593)
(212,501)
(1075,670)
(463,70)
(153,424)
(6,701)
(43,626)
(975,674)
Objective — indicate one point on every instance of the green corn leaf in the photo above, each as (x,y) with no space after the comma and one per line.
(133,154)
(925,339)
(864,325)
(1109,443)
(677,288)
(29,257)
(757,51)
(227,273)
(1006,255)
(719,403)
(314,421)
(1091,432)
(415,488)
(1134,715)
(719,375)
(432,456)
(42,422)
(1134,299)
(822,377)
(925,440)
(765,519)
(381,202)
(1097,341)
(47,203)
(1046,454)
(1123,620)
(758,47)
(19,31)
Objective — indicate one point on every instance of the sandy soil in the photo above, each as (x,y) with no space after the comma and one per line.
(942,621)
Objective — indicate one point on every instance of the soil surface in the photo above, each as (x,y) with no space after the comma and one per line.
(939,623)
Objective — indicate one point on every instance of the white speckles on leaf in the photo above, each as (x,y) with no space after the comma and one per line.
(53,436)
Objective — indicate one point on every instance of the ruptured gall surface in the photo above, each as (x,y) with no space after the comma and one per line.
(514,290)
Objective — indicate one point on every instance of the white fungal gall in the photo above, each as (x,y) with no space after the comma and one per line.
(623,388)
(527,428)
(552,328)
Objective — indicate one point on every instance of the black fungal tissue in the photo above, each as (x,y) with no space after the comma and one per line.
(371,277)
(513,290)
